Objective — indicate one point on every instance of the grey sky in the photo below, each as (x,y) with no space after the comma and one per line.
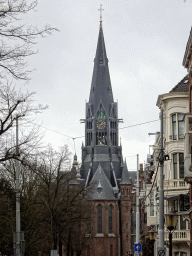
(145,42)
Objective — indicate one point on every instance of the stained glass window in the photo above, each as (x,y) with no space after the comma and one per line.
(101,113)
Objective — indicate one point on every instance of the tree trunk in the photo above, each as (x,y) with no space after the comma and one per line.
(60,247)
(68,244)
(55,242)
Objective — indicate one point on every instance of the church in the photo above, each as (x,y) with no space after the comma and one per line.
(113,223)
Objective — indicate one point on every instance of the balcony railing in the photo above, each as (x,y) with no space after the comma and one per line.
(175,184)
(179,235)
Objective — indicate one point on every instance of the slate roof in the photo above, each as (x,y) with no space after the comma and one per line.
(125,178)
(102,189)
(182,86)
(187,54)
(101,91)
(132,177)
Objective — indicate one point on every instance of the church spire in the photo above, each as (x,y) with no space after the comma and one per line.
(100,9)
(101,91)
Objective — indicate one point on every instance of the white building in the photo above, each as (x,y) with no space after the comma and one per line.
(176,190)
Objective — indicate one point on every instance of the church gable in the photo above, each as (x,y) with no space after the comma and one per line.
(101,113)
(101,189)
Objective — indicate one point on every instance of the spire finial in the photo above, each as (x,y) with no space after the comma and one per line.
(100,9)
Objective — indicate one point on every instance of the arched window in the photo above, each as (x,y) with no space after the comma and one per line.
(101,138)
(89,113)
(110,214)
(99,219)
(113,138)
(101,113)
(113,113)
(89,138)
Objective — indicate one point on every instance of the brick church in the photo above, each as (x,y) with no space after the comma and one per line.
(113,224)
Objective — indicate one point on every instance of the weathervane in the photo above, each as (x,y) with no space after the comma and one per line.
(100,9)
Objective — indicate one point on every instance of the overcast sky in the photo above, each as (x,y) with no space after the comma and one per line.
(145,42)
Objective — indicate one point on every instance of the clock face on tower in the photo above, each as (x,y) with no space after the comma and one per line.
(101,124)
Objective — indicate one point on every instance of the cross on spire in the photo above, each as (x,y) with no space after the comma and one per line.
(100,9)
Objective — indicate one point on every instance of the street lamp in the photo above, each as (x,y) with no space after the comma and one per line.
(171,221)
(152,236)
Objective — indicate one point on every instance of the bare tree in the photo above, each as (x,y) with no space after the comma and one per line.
(54,212)
(63,207)
(17,39)
(15,104)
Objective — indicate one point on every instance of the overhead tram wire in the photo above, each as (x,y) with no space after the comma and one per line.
(70,137)
(130,126)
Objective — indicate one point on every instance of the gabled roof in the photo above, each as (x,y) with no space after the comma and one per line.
(125,178)
(132,177)
(101,90)
(101,188)
(182,86)
(187,54)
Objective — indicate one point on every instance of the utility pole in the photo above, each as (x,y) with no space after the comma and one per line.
(18,230)
(161,195)
(137,205)
(137,245)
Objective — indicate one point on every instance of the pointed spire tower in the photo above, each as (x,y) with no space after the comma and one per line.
(101,121)
(101,90)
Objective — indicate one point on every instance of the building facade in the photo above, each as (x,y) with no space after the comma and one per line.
(176,190)
(187,63)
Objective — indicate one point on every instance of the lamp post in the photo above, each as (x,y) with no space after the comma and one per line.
(171,220)
(152,236)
